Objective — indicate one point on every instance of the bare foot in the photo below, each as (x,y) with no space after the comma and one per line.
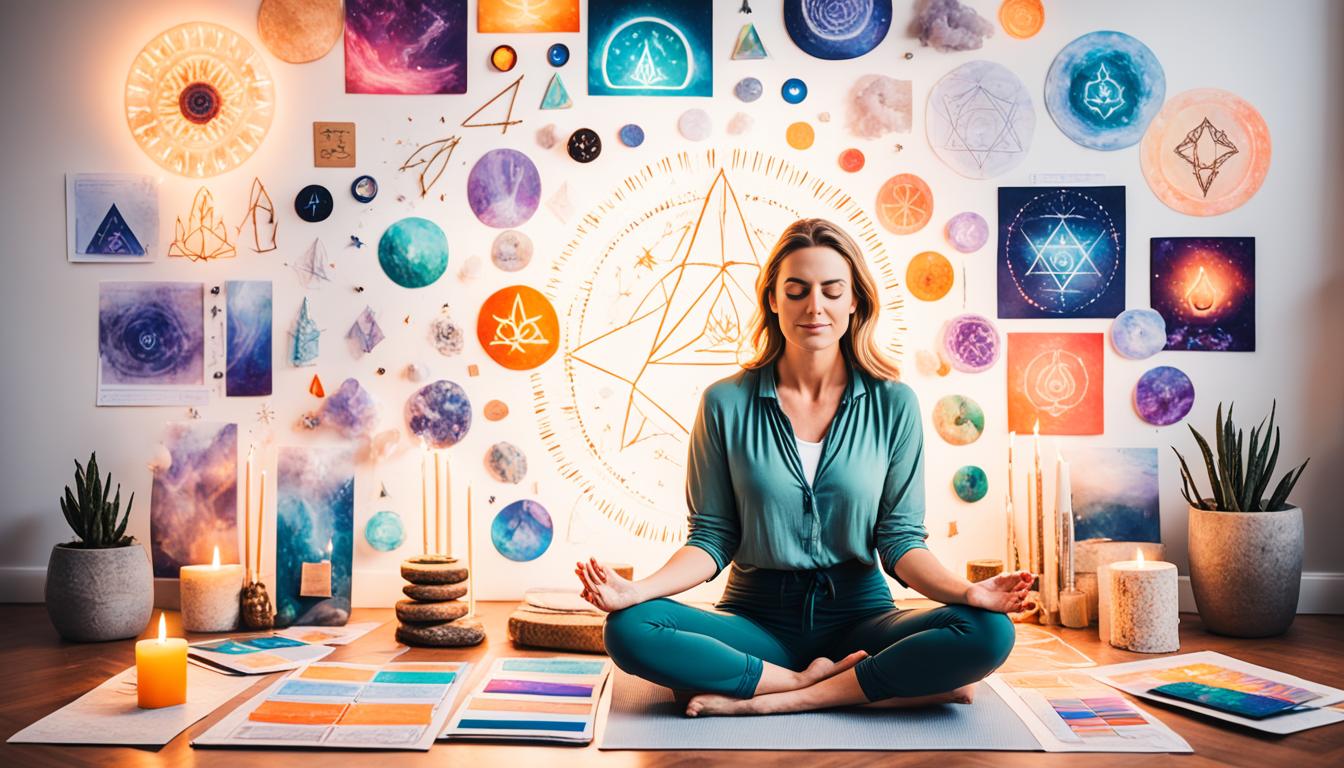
(714,704)
(963,695)
(822,668)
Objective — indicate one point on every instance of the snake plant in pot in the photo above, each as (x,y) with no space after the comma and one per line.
(1245,548)
(100,587)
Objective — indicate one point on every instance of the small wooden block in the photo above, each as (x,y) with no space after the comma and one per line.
(315,579)
(334,145)
(979,570)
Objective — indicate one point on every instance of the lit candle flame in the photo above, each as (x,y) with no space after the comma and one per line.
(214,563)
(1036,429)
(1139,558)
(163,628)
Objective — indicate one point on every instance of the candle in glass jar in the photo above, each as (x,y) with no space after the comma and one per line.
(1144,606)
(210,596)
(161,670)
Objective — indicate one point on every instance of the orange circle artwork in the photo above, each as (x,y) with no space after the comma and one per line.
(1206,152)
(1022,18)
(518,328)
(851,160)
(929,276)
(800,135)
(495,410)
(503,58)
(904,204)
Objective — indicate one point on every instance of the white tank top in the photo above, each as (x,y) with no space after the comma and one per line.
(810,453)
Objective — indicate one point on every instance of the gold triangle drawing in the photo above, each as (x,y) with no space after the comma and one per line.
(512,90)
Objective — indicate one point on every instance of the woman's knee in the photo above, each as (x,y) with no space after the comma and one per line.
(626,631)
(992,632)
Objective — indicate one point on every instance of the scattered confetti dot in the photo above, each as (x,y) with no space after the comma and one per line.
(851,160)
(748,89)
(557,55)
(695,125)
(800,135)
(631,135)
(793,91)
(503,58)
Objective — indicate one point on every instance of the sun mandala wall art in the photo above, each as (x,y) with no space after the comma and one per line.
(1056,379)
(1061,252)
(650,48)
(654,295)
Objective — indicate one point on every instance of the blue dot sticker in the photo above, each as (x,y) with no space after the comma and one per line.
(631,135)
(793,90)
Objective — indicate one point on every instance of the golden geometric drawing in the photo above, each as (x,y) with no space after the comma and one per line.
(502,125)
(260,216)
(432,160)
(199,99)
(656,292)
(203,237)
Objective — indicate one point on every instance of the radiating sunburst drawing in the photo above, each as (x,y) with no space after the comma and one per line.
(640,345)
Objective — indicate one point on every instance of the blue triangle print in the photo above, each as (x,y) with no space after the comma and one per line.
(114,237)
(556,96)
(749,45)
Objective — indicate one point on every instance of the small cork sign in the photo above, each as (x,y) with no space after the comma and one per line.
(334,145)
(315,580)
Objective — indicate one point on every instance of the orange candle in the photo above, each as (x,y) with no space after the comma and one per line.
(161,670)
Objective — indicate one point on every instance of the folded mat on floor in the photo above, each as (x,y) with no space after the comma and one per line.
(644,716)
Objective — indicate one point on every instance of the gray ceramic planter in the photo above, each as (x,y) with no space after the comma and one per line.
(1246,570)
(99,594)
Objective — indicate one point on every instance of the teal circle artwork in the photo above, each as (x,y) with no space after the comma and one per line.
(413,252)
(970,483)
(522,531)
(384,531)
(1103,89)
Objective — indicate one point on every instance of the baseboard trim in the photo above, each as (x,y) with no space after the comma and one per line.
(1322,591)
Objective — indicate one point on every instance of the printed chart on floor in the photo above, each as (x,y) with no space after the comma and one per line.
(256,655)
(1072,712)
(330,635)
(346,706)
(551,699)
(1219,671)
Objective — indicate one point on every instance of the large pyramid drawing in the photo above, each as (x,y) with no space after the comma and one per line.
(695,315)
(114,237)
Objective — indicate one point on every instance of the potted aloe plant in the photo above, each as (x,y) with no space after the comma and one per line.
(1245,549)
(100,587)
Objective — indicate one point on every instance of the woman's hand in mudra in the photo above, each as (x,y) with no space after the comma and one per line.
(1003,593)
(606,589)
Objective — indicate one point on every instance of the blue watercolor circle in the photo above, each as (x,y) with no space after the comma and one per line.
(384,531)
(1103,89)
(557,55)
(413,252)
(439,413)
(522,531)
(970,483)
(793,91)
(1139,334)
(748,89)
(631,135)
(504,188)
(1164,395)
(837,29)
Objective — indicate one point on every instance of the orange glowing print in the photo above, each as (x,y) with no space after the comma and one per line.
(527,16)
(904,204)
(1022,18)
(929,276)
(518,328)
(1206,152)
(1056,379)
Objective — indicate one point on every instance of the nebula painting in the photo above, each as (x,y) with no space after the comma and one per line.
(314,525)
(1204,287)
(151,333)
(406,46)
(193,503)
(1115,493)
(248,333)
(650,48)
(522,531)
(1056,379)
(504,188)
(1061,252)
(439,413)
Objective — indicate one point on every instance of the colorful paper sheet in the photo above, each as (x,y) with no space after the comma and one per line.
(399,705)
(551,699)
(330,635)
(151,344)
(257,655)
(1071,712)
(1215,669)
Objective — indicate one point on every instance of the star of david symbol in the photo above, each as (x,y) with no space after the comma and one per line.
(967,109)
(1102,94)
(1061,255)
(1206,149)
(519,329)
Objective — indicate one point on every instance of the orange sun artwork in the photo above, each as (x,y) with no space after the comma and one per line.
(1056,378)
(518,328)
(904,204)
(527,16)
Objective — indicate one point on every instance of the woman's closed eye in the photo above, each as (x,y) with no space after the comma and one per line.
(833,294)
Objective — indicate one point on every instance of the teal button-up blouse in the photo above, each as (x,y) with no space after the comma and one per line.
(750,502)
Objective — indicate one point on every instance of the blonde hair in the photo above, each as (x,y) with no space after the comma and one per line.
(857,345)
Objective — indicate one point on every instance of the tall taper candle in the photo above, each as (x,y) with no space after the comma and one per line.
(261,522)
(247,518)
(438,501)
(1013,561)
(424,500)
(1039,565)
(448,507)
(471,563)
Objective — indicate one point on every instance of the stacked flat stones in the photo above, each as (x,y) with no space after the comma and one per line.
(434,614)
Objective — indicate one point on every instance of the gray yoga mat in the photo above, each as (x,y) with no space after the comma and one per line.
(644,716)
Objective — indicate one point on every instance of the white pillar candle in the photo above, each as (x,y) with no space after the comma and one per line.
(1143,606)
(210,596)
(1090,560)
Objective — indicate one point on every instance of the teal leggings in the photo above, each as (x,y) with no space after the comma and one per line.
(789,618)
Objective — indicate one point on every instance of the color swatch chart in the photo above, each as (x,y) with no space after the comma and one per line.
(534,699)
(1217,676)
(1072,712)
(347,706)
(257,655)
(1097,715)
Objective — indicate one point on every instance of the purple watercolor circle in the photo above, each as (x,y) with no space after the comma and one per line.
(1164,395)
(967,231)
(970,342)
(504,188)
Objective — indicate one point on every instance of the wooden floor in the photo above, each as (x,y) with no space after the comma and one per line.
(41,673)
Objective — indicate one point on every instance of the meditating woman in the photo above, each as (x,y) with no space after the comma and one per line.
(806,472)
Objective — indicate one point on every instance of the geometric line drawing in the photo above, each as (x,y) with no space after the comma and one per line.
(1061,256)
(1103,95)
(433,164)
(1206,149)
(980,119)
(1055,381)
(518,330)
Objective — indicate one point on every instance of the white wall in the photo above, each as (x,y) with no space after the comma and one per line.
(66,63)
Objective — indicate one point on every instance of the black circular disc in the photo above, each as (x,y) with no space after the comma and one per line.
(313,203)
(584,145)
(364,189)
